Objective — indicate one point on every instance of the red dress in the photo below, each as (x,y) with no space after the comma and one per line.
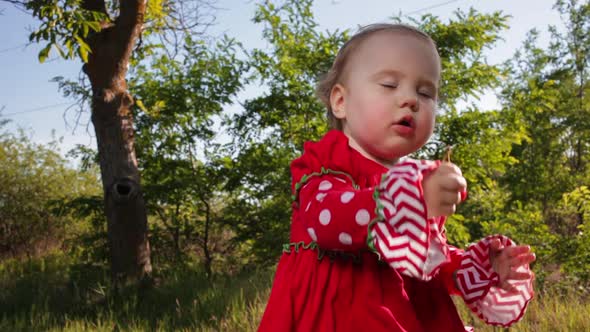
(354,264)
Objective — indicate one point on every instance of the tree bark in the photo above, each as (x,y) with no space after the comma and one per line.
(112,118)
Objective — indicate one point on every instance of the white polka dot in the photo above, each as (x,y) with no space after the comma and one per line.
(307,207)
(362,217)
(346,197)
(325,217)
(345,238)
(311,233)
(325,185)
(320,197)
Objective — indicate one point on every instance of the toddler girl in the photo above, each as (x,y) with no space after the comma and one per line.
(368,250)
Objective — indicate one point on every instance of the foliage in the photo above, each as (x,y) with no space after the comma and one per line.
(65,24)
(547,95)
(34,180)
(183,169)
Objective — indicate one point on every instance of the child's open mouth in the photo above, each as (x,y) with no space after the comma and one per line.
(405,126)
(406,123)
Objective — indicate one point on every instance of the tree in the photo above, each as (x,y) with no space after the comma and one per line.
(85,29)
(184,169)
(271,130)
(547,94)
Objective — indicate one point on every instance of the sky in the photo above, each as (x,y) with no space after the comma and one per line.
(32,102)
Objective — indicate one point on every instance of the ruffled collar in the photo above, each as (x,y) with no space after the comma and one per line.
(334,153)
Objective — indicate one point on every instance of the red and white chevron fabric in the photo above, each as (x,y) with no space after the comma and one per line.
(406,239)
(477,282)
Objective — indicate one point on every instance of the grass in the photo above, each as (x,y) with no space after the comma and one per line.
(53,294)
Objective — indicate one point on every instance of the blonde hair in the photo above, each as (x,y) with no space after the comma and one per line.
(335,74)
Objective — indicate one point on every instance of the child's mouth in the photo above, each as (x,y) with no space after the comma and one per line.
(406,123)
(405,126)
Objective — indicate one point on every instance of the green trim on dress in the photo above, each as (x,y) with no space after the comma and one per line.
(289,248)
(323,171)
(378,218)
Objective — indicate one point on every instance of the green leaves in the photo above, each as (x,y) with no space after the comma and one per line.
(35,183)
(65,25)
(461,42)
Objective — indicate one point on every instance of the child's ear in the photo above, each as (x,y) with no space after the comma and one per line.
(338,101)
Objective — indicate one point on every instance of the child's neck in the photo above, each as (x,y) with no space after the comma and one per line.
(383,162)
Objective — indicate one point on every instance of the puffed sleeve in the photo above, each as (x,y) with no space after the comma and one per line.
(477,283)
(335,212)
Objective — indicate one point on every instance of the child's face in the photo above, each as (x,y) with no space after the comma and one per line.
(388,97)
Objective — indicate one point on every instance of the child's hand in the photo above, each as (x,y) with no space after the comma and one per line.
(442,190)
(506,260)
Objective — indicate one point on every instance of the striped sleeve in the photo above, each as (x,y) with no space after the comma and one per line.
(476,281)
(404,237)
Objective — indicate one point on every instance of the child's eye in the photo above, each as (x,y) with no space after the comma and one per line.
(389,85)
(427,94)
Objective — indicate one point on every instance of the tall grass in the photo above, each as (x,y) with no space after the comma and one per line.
(54,294)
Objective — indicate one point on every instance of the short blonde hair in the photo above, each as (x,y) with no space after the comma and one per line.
(335,74)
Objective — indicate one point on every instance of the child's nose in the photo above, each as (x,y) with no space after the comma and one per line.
(409,99)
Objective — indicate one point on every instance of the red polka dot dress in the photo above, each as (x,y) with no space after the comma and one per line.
(363,256)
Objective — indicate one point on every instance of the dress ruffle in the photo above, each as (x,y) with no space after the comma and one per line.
(477,282)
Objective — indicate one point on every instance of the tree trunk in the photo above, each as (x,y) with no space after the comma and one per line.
(112,118)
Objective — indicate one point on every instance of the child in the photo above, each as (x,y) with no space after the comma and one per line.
(368,250)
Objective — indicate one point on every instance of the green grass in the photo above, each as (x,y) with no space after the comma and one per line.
(547,312)
(53,294)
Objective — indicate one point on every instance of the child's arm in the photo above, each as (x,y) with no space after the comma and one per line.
(411,198)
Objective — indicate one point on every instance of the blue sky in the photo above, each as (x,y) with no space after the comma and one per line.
(34,103)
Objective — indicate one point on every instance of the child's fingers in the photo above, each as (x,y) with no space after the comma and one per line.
(496,245)
(453,182)
(446,209)
(449,168)
(513,251)
(520,275)
(505,285)
(522,260)
(450,198)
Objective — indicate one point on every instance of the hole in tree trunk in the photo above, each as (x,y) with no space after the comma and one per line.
(123,189)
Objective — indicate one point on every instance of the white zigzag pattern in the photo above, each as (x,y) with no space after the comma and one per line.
(394,174)
(416,231)
(405,213)
(402,264)
(496,306)
(404,253)
(391,209)
(400,241)
(467,287)
(402,183)
(396,241)
(402,206)
(404,168)
(402,197)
